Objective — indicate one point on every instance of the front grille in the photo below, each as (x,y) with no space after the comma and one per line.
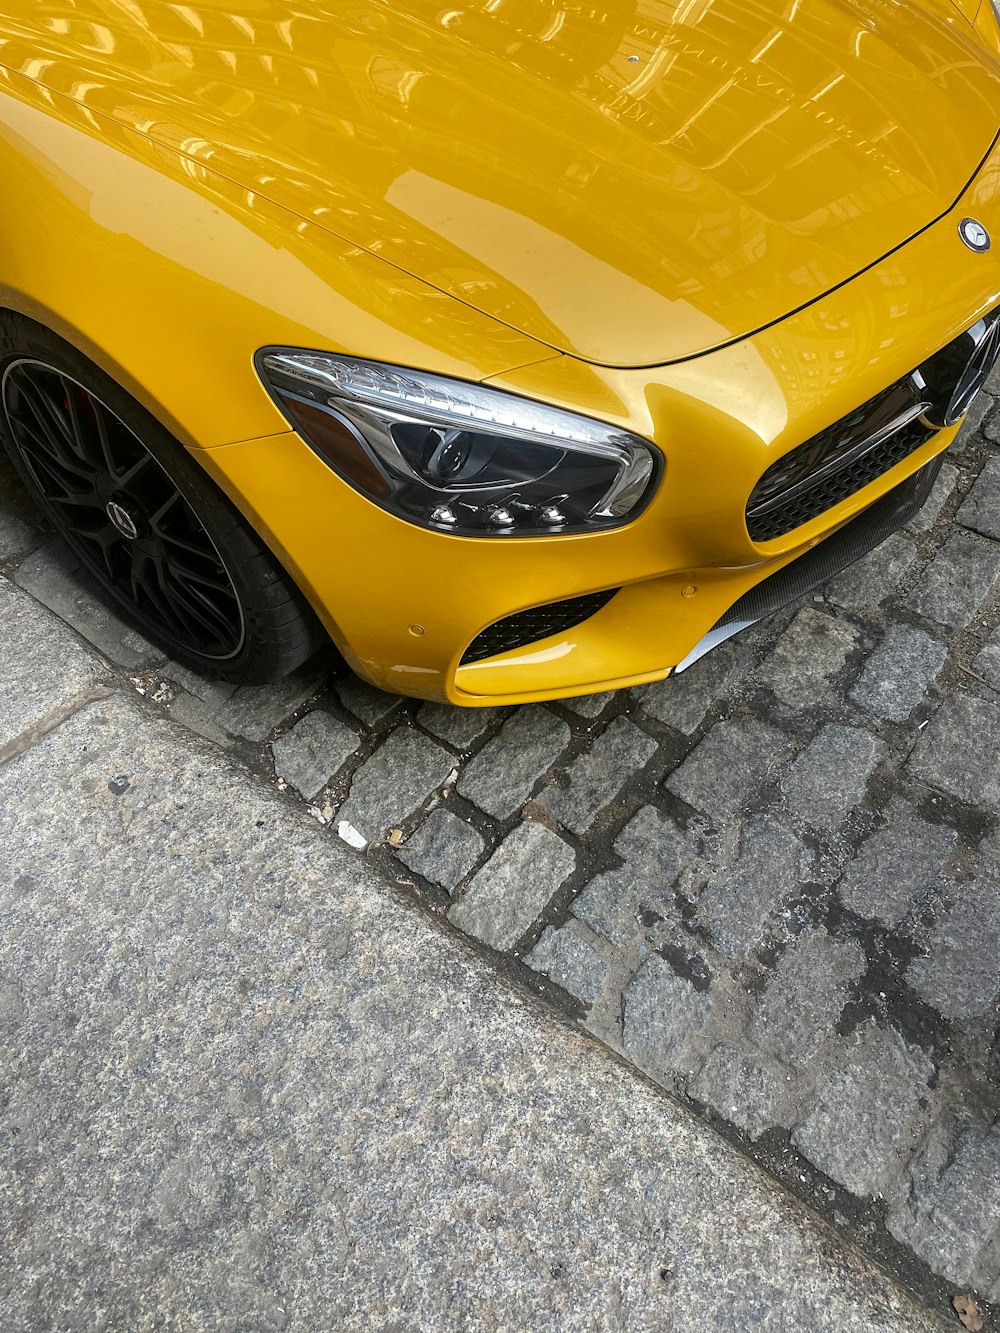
(538,623)
(847,456)
(767,523)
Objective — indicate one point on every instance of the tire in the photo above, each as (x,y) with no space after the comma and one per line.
(162,541)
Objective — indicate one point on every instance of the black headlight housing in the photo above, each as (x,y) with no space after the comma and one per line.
(460,457)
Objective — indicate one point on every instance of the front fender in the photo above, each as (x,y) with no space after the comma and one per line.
(170,277)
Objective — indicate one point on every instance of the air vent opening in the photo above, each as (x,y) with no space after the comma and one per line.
(531,626)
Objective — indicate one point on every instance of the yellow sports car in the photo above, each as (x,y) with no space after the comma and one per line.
(525,348)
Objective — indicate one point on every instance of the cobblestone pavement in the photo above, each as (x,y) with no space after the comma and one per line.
(772,884)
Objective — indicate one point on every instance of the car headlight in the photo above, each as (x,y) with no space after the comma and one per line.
(457,456)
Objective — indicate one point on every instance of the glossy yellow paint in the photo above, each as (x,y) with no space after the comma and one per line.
(629,182)
(723,244)
(171,277)
(984,18)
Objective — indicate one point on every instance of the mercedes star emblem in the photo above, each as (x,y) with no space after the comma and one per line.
(123,520)
(975,235)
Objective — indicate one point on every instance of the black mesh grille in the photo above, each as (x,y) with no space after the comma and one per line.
(530,626)
(776,521)
(847,456)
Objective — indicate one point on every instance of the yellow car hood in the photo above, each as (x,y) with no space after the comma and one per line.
(631,183)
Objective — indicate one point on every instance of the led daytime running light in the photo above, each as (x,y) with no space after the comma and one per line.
(445,402)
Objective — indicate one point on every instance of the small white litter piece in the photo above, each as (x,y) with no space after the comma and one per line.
(351,835)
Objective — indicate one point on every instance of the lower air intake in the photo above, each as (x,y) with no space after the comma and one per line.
(530,626)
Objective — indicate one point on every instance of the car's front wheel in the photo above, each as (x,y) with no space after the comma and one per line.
(145,520)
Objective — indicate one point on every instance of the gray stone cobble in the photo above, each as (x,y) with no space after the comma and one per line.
(590,705)
(960,976)
(980,510)
(514,886)
(772,867)
(991,425)
(313,752)
(655,851)
(571,962)
(596,777)
(460,727)
(865,1113)
(897,675)
(213,693)
(898,871)
(864,585)
(254,711)
(959,751)
(806,995)
(957,581)
(443,850)
(728,766)
(501,777)
(972,426)
(987,661)
(742,1090)
(656,846)
(664,1017)
(372,706)
(610,905)
(828,779)
(682,701)
(389,786)
(943,486)
(950,1211)
(196,715)
(812,651)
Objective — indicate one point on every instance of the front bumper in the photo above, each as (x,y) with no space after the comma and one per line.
(403,603)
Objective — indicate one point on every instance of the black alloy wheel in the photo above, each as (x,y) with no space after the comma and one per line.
(143,518)
(120,510)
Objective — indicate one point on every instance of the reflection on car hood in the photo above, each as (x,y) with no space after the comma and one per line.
(628,182)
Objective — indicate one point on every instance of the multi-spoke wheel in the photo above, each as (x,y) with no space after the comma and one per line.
(143,517)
